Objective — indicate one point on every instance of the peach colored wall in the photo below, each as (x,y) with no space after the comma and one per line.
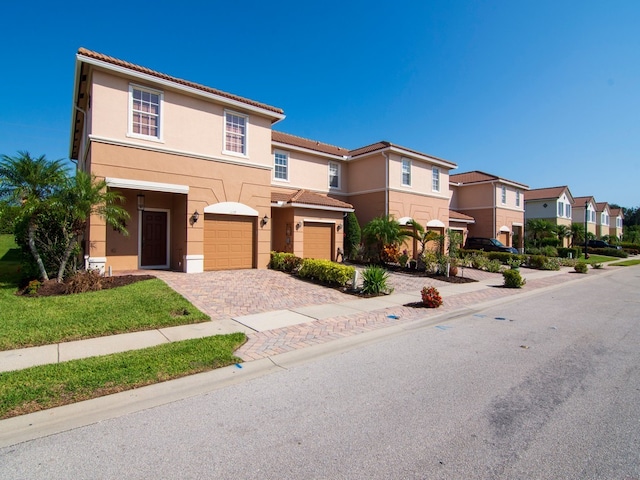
(188,123)
(474,196)
(366,174)
(419,207)
(310,172)
(321,216)
(368,206)
(209,183)
(421,176)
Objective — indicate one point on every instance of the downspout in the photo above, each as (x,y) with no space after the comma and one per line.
(386,184)
(495,205)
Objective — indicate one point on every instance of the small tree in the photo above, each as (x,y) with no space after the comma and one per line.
(352,235)
(577,234)
(539,228)
(383,231)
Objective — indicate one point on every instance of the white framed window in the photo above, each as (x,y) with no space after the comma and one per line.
(334,175)
(618,222)
(567,210)
(406,172)
(235,133)
(592,215)
(281,165)
(560,209)
(517,198)
(604,219)
(503,195)
(145,108)
(435,179)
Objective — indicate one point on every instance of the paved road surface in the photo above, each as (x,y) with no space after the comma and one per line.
(545,387)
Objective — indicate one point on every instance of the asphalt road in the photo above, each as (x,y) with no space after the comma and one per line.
(543,387)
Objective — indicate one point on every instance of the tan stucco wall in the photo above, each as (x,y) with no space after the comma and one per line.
(368,206)
(188,124)
(209,183)
(419,207)
(421,176)
(310,172)
(366,174)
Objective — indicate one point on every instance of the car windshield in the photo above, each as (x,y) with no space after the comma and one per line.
(497,242)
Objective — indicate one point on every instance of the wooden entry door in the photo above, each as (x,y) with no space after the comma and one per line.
(154,239)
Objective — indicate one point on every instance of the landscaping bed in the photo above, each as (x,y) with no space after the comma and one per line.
(52,288)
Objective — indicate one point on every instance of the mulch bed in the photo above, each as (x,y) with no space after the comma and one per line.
(52,288)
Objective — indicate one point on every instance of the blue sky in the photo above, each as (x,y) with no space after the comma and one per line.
(545,93)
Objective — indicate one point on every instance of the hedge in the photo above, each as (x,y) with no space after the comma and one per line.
(326,271)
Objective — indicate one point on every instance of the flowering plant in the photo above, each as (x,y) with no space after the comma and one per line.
(431,297)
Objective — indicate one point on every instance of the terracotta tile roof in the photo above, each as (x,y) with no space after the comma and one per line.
(453,215)
(384,144)
(615,212)
(579,201)
(600,206)
(309,198)
(544,193)
(289,139)
(478,177)
(121,63)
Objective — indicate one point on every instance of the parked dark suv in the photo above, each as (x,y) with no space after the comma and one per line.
(601,244)
(488,245)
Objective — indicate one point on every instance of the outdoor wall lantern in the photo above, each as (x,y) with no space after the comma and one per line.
(298,225)
(264,220)
(141,202)
(194,218)
(339,227)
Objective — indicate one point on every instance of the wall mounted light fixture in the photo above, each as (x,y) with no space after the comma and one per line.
(194,218)
(264,220)
(141,202)
(298,225)
(339,227)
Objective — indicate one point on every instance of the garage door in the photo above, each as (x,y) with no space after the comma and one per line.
(318,240)
(228,242)
(504,238)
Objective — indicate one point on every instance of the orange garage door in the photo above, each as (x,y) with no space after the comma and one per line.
(318,240)
(228,242)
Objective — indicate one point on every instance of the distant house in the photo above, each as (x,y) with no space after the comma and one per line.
(554,204)
(603,218)
(496,204)
(582,205)
(616,222)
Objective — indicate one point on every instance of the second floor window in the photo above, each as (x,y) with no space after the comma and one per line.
(560,209)
(435,179)
(517,198)
(334,175)
(567,210)
(281,166)
(618,222)
(145,112)
(503,195)
(406,172)
(235,133)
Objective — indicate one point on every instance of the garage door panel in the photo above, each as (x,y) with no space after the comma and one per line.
(228,242)
(318,240)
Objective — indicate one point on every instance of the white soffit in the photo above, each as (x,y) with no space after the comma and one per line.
(143,185)
(435,223)
(504,228)
(231,208)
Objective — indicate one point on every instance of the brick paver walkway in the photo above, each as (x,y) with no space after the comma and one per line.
(227,294)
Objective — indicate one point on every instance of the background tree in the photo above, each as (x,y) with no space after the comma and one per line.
(577,234)
(562,231)
(31,183)
(352,235)
(539,228)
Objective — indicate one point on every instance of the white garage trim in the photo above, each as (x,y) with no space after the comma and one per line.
(150,186)
(231,208)
(435,223)
(506,229)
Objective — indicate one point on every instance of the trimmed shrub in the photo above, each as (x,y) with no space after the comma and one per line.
(536,261)
(431,297)
(479,261)
(581,267)
(513,279)
(352,236)
(609,252)
(374,281)
(284,262)
(564,252)
(494,266)
(549,242)
(326,271)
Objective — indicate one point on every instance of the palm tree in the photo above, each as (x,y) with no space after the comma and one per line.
(83,196)
(382,231)
(562,231)
(31,183)
(423,236)
(539,228)
(577,234)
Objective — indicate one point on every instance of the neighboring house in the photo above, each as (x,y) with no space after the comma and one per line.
(615,223)
(388,179)
(496,204)
(603,215)
(554,204)
(193,163)
(459,222)
(580,205)
(307,219)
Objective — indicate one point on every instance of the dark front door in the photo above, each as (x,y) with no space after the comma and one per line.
(154,239)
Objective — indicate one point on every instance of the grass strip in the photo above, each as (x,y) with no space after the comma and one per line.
(32,321)
(626,263)
(47,386)
(597,259)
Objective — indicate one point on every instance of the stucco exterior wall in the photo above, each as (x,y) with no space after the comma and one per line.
(311,172)
(366,174)
(368,206)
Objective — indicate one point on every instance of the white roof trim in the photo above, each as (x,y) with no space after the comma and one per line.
(435,223)
(321,207)
(144,185)
(405,220)
(231,208)
(504,228)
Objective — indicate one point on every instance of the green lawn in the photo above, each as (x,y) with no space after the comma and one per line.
(48,386)
(597,259)
(626,263)
(31,321)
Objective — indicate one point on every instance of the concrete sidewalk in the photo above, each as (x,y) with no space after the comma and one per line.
(301,325)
